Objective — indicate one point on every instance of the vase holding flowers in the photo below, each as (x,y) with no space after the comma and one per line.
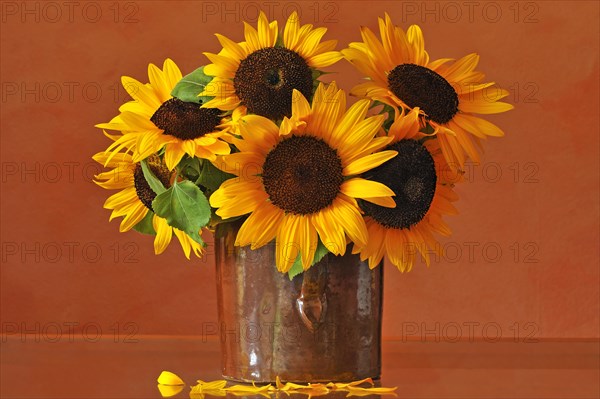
(306,194)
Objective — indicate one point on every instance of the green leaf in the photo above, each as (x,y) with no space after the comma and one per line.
(145,225)
(216,220)
(389,120)
(212,177)
(296,269)
(190,168)
(188,88)
(428,129)
(155,184)
(316,73)
(185,207)
(279,41)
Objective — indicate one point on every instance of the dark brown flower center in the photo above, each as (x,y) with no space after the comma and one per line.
(421,87)
(266,78)
(142,188)
(186,121)
(412,177)
(302,175)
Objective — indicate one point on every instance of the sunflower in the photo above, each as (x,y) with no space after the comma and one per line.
(444,93)
(134,201)
(423,184)
(155,120)
(260,74)
(297,181)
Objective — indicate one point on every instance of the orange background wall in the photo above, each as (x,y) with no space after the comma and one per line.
(524,253)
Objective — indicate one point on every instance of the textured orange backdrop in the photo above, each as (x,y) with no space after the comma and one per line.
(524,251)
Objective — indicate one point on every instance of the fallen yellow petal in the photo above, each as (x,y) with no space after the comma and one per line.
(247,394)
(290,386)
(166,391)
(278,383)
(196,394)
(315,390)
(170,385)
(376,390)
(212,385)
(248,388)
(341,385)
(168,378)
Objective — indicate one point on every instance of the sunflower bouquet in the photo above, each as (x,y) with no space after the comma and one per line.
(256,137)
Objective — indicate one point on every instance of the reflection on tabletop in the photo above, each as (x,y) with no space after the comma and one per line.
(170,384)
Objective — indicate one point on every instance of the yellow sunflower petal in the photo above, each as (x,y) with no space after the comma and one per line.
(485,107)
(375,145)
(171,72)
(135,216)
(406,126)
(225,103)
(362,188)
(331,234)
(415,37)
(323,60)
(150,142)
(287,243)
(326,46)
(173,154)
(376,48)
(242,204)
(261,226)
(260,131)
(245,164)
(122,197)
(228,65)
(355,114)
(375,248)
(475,125)
(140,92)
(360,136)
(307,236)
(394,248)
(311,41)
(300,106)
(327,108)
(232,188)
(168,378)
(290,32)
(265,38)
(164,233)
(362,62)
(136,122)
(158,82)
(369,162)
(231,46)
(349,218)
(183,241)
(461,67)
(252,40)
(434,65)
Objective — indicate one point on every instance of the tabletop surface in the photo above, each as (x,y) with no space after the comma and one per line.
(127,368)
